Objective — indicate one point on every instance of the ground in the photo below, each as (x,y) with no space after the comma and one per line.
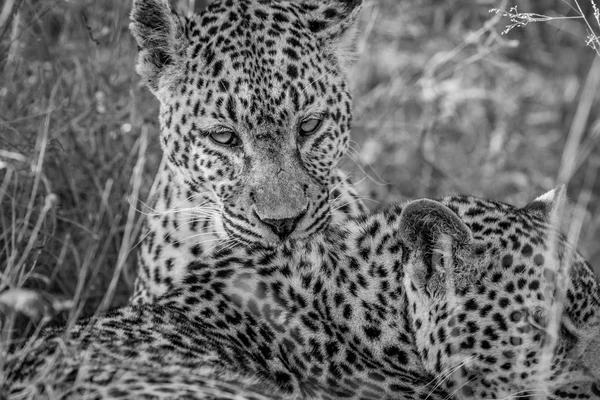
(443,104)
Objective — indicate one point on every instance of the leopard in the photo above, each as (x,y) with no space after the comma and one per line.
(377,307)
(501,303)
(255,116)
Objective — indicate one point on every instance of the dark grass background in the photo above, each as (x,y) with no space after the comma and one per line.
(443,103)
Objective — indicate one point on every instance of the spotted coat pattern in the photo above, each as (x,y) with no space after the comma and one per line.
(339,315)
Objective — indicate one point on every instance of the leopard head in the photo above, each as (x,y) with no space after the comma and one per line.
(255,110)
(500,302)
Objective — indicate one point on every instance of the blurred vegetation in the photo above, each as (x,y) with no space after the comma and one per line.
(443,103)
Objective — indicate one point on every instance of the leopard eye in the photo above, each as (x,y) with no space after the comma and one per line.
(310,126)
(225,138)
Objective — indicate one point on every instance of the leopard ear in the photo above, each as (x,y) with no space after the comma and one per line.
(551,206)
(159,34)
(424,222)
(439,238)
(334,23)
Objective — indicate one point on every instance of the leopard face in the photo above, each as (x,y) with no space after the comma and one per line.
(255,110)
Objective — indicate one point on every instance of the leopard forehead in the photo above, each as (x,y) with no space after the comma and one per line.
(259,57)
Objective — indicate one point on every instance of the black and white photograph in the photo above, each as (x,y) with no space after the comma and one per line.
(299,199)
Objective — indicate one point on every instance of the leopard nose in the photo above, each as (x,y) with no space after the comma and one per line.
(283,227)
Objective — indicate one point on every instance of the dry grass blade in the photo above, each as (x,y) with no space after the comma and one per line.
(128,239)
(522,19)
(8,12)
(570,157)
(592,40)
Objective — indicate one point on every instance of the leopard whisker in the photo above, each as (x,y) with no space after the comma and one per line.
(205,203)
(174,207)
(353,155)
(337,199)
(218,233)
(204,232)
(204,211)
(446,374)
(358,182)
(227,244)
(233,243)
(175,210)
(209,213)
(342,205)
(201,218)
(341,194)
(139,241)
(344,179)
(191,210)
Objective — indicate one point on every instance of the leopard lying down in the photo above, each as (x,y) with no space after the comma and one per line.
(455,298)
